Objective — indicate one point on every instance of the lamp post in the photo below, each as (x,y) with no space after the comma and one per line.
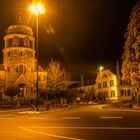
(100,71)
(37,9)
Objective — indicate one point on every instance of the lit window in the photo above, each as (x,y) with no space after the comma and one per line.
(112,93)
(104,84)
(44,78)
(99,85)
(15,41)
(111,83)
(106,94)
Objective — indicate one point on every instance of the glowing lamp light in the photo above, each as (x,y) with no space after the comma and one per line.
(38,8)
(101,68)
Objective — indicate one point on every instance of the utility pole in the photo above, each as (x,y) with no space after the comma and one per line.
(118,80)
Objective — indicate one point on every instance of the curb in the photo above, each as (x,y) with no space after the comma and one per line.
(125,110)
(29,112)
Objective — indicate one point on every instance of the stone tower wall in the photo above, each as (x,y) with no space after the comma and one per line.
(19,57)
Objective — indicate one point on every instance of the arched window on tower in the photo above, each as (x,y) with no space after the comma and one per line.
(21,42)
(15,41)
(26,42)
(10,42)
(21,69)
(31,44)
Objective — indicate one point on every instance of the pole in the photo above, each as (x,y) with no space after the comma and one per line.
(37,95)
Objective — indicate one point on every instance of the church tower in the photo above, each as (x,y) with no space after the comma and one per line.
(19,59)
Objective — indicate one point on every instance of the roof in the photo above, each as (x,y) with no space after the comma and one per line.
(19,29)
(40,69)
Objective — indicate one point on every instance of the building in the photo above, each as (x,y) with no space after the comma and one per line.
(105,87)
(19,63)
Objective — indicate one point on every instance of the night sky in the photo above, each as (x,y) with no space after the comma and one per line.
(81,34)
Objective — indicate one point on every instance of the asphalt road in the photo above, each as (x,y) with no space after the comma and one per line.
(85,122)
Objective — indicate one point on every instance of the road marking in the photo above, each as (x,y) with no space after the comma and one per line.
(111,117)
(36,118)
(51,135)
(97,128)
(29,112)
(70,118)
(7,118)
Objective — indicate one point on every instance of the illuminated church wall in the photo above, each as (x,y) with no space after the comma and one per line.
(19,60)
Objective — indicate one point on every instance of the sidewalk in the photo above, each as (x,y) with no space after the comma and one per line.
(113,108)
(30,111)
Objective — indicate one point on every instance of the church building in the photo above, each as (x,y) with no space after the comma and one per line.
(19,63)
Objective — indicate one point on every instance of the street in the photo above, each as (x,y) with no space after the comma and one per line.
(84,122)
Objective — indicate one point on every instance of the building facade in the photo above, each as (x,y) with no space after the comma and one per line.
(105,87)
(19,63)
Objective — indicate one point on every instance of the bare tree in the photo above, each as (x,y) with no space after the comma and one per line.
(55,77)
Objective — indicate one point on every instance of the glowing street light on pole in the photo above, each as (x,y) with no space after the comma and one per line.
(37,9)
(101,68)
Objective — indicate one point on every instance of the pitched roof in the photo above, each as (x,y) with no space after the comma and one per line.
(40,69)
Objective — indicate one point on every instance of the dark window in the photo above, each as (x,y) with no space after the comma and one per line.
(123,92)
(8,69)
(21,53)
(8,54)
(21,42)
(128,92)
(31,44)
(104,84)
(32,89)
(10,42)
(21,69)
(26,42)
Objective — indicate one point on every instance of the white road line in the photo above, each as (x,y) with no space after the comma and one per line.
(7,118)
(70,118)
(111,117)
(96,128)
(51,135)
(36,118)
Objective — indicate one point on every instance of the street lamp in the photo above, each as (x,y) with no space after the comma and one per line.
(37,9)
(101,68)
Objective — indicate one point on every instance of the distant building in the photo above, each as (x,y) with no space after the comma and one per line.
(86,92)
(19,63)
(105,87)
